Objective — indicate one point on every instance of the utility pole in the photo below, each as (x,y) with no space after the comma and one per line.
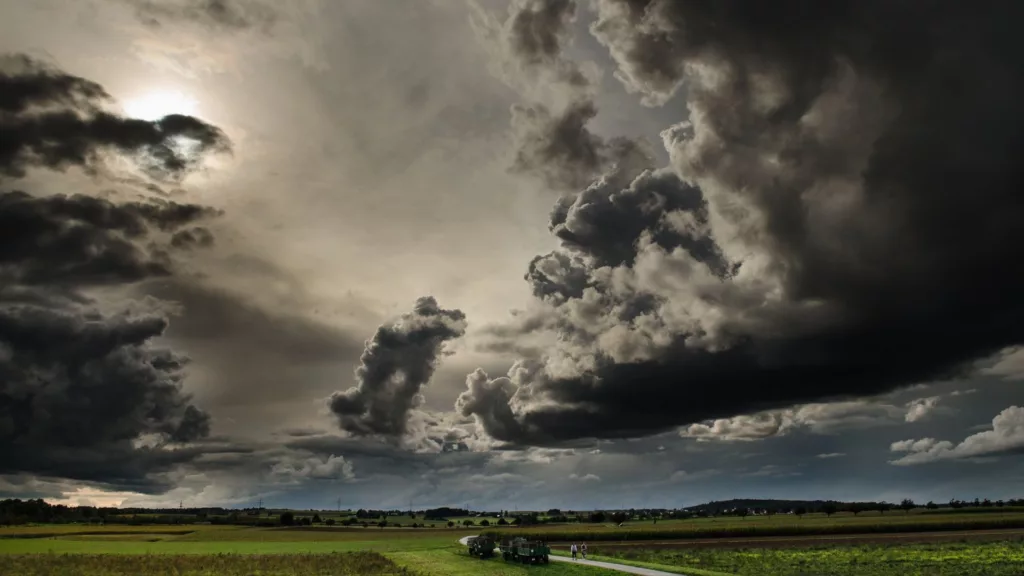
(339,505)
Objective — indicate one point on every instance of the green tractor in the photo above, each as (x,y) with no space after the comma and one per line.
(481,547)
(520,549)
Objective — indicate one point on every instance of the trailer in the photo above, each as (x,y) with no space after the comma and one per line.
(525,551)
(481,547)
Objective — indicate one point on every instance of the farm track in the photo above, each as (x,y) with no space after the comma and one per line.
(810,540)
(598,564)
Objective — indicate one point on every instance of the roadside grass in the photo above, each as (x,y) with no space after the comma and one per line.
(336,564)
(1002,558)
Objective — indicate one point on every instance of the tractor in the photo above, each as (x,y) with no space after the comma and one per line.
(520,549)
(481,547)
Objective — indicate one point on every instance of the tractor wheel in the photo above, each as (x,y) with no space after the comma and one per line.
(546,559)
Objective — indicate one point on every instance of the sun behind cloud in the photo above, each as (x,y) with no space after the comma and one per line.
(156,104)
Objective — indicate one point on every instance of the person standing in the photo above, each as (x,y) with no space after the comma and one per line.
(583,550)
(573,550)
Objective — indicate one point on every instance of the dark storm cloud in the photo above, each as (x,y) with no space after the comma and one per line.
(397,363)
(538,31)
(84,394)
(218,14)
(54,120)
(72,240)
(606,220)
(79,388)
(859,164)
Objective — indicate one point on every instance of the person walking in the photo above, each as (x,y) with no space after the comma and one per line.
(583,550)
(573,550)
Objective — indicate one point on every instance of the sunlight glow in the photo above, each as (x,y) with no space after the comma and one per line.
(157,104)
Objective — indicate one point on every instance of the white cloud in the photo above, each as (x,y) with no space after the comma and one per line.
(684,476)
(920,408)
(831,455)
(1009,364)
(772,471)
(818,418)
(1006,435)
(331,468)
(585,477)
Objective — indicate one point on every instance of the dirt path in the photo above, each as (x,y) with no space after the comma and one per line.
(597,564)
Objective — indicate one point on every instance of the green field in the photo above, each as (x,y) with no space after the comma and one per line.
(779,525)
(1004,558)
(234,551)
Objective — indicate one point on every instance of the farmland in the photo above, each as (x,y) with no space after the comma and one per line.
(1004,558)
(230,551)
(841,544)
(766,526)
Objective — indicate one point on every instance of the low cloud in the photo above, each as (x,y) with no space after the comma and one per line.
(397,363)
(585,477)
(1006,436)
(831,455)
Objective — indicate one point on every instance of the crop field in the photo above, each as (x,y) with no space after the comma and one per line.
(336,564)
(764,526)
(1004,558)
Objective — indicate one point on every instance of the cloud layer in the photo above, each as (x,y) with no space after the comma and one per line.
(818,237)
(84,392)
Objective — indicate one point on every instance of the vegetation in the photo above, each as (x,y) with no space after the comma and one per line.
(768,526)
(1004,558)
(338,564)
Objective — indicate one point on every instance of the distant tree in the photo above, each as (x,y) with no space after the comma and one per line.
(485,522)
(1000,503)
(382,524)
(451,524)
(620,517)
(467,523)
(287,519)
(516,521)
(330,522)
(396,524)
(502,522)
(554,512)
(597,517)
(882,507)
(907,505)
(305,521)
(365,524)
(742,512)
(986,503)
(931,505)
(799,511)
(316,519)
(855,508)
(955,504)
(829,509)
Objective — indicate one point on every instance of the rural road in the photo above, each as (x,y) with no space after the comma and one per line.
(598,564)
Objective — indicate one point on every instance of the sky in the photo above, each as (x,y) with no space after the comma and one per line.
(510,253)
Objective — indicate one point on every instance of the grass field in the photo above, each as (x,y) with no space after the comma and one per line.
(1005,558)
(768,526)
(234,551)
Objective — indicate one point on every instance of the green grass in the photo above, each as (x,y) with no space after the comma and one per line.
(348,564)
(1004,558)
(764,526)
(210,551)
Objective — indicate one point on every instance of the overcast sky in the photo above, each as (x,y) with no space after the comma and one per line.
(498,253)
